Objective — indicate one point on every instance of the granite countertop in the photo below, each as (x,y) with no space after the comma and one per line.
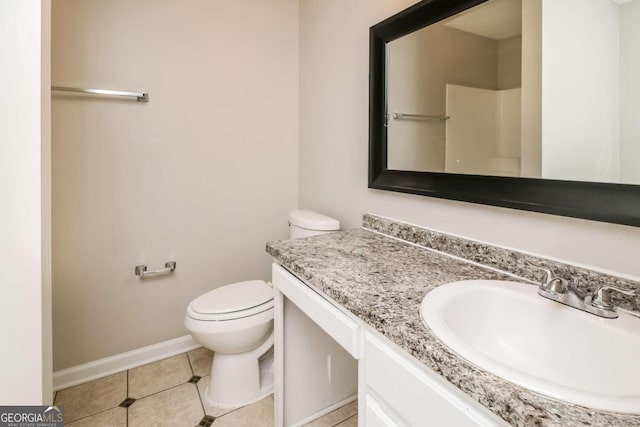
(382,281)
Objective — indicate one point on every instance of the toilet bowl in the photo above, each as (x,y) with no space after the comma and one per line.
(235,322)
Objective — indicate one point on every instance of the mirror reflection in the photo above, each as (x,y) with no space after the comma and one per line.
(521,88)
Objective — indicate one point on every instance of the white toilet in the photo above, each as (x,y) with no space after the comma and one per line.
(236,322)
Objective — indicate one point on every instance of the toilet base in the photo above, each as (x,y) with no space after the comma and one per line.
(240,379)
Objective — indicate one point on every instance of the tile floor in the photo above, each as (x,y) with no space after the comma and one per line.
(169,393)
(347,416)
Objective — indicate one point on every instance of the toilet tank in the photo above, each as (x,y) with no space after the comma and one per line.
(303,223)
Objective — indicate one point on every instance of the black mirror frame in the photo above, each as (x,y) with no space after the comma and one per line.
(614,203)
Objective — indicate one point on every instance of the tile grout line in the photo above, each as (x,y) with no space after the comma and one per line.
(127,419)
(161,391)
(233,410)
(348,418)
(239,407)
(186,354)
(197,389)
(169,388)
(94,413)
(91,415)
(190,364)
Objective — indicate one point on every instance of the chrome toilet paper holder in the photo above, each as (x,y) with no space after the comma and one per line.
(141,270)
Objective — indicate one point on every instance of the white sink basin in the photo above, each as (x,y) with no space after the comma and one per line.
(555,350)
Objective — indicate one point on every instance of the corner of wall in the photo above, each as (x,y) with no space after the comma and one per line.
(45,130)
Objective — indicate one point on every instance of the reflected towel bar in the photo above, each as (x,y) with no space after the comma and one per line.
(140,96)
(400,116)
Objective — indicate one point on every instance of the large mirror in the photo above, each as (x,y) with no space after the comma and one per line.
(531,104)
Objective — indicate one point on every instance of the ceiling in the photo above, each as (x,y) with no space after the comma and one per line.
(496,19)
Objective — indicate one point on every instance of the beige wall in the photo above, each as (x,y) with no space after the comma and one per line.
(421,65)
(413,145)
(531,114)
(25,353)
(510,62)
(334,53)
(203,174)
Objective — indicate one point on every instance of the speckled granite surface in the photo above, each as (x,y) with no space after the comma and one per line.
(504,259)
(382,281)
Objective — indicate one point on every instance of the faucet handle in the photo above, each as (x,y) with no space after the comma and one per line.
(550,275)
(552,284)
(601,297)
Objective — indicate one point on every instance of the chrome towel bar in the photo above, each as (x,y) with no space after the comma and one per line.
(141,270)
(140,96)
(400,116)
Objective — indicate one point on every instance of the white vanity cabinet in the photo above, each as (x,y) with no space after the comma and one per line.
(316,348)
(397,390)
(324,355)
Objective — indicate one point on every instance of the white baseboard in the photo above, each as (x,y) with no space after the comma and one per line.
(121,362)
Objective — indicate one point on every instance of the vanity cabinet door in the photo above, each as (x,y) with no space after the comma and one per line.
(375,416)
(411,394)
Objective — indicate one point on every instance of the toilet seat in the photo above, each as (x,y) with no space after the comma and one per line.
(230,316)
(234,301)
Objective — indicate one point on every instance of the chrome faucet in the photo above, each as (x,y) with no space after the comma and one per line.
(601,297)
(560,290)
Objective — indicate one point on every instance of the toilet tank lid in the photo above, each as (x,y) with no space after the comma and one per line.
(313,221)
(234,297)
